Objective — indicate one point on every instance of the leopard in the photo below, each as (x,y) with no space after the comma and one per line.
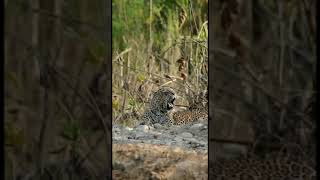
(189,116)
(161,106)
(197,111)
(255,168)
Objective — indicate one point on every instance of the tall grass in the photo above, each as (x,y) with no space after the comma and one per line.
(154,44)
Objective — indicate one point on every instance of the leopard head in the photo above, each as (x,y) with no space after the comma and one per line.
(163,100)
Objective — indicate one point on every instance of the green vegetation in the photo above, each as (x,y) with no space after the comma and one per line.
(148,40)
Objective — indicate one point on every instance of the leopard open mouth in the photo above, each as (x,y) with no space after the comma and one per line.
(170,104)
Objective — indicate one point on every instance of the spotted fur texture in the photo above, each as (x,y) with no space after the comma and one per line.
(185,117)
(262,169)
(160,108)
(161,104)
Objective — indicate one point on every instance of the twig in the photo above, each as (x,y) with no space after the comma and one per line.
(121,54)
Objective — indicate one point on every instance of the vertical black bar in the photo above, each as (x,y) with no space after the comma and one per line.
(210,82)
(108,70)
(317,85)
(239,57)
(2,159)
